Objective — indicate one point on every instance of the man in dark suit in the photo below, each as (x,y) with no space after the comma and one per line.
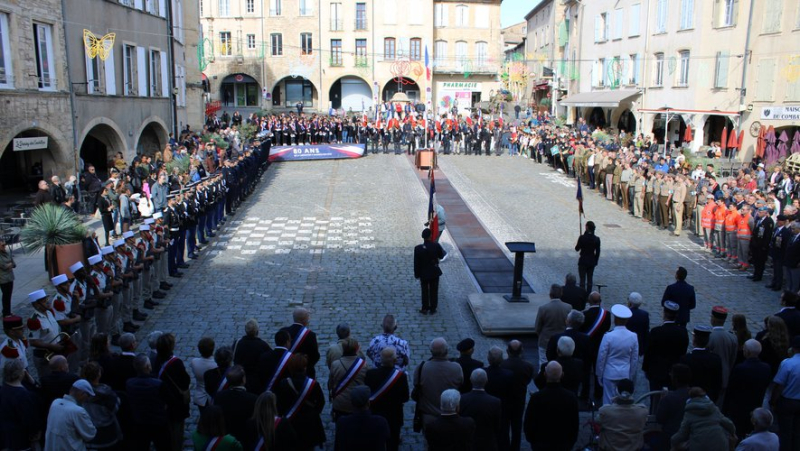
(760,242)
(572,368)
(575,320)
(789,313)
(389,388)
(449,430)
(237,404)
(270,362)
(57,382)
(639,323)
(669,413)
(597,321)
(361,429)
(486,410)
(426,269)
(122,364)
(466,348)
(215,378)
(706,366)
(304,341)
(551,421)
(572,294)
(514,408)
(148,408)
(247,351)
(667,345)
(589,247)
(682,294)
(746,388)
(777,248)
(498,384)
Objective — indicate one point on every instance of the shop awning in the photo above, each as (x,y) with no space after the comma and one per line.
(600,98)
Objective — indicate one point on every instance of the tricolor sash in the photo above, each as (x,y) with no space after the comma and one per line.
(164,366)
(349,376)
(279,369)
(223,384)
(393,378)
(213,443)
(262,444)
(600,318)
(301,337)
(309,384)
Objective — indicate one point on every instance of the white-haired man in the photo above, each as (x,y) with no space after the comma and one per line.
(450,430)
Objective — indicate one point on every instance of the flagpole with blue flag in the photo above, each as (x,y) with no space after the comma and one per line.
(433,220)
(579,197)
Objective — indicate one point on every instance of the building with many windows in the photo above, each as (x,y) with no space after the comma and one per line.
(347,54)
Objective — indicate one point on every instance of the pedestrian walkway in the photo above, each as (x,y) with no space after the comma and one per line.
(488,262)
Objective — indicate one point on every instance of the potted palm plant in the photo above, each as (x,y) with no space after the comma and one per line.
(59,232)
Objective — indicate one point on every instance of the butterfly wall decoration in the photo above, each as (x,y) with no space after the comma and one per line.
(98,46)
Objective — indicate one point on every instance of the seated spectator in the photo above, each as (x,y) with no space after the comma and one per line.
(622,422)
(703,426)
(551,420)
(361,430)
(211,432)
(449,430)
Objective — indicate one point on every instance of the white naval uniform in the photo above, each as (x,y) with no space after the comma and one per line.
(617,359)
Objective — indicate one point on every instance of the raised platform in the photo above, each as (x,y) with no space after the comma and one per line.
(497,317)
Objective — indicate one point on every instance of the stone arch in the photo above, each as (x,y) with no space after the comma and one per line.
(100,140)
(339,98)
(62,157)
(286,96)
(22,170)
(158,136)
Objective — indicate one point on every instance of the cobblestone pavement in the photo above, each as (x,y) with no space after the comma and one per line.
(334,236)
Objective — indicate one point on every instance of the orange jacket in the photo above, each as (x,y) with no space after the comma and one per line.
(743,227)
(719,218)
(707,216)
(731,221)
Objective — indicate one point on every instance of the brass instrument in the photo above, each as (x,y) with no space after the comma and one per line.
(64,340)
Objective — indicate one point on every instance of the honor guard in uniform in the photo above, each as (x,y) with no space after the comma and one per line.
(126,275)
(172,223)
(44,332)
(114,278)
(83,294)
(15,346)
(136,262)
(104,312)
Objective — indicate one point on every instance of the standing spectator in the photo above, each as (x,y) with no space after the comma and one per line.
(589,248)
(57,191)
(247,351)
(523,372)
(426,269)
(43,195)
(361,430)
(498,384)
(69,426)
(574,322)
(706,366)
(670,410)
(236,403)
(466,348)
(346,374)
(597,321)
(102,408)
(791,259)
(572,294)
(199,366)
(214,379)
(668,343)
(267,429)
(618,356)
(389,387)
(682,294)
(571,367)
(434,376)
(639,322)
(775,342)
(300,401)
(746,388)
(703,426)
(106,208)
(789,313)
(158,193)
(19,408)
(722,343)
(761,439)
(551,421)
(211,433)
(7,266)
(449,430)
(304,341)
(622,423)
(335,349)
(72,188)
(785,401)
(550,320)
(388,338)
(486,410)
(172,372)
(93,185)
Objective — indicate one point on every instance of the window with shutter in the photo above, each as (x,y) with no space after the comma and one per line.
(440,54)
(658,68)
(721,69)
(661,16)
(772,16)
(687,14)
(111,74)
(618,18)
(388,49)
(634,22)
(765,79)
(93,75)
(598,26)
(141,72)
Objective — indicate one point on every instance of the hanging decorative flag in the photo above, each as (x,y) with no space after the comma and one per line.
(427,65)
(98,46)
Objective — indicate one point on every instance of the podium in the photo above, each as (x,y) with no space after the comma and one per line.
(425,159)
(519,249)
